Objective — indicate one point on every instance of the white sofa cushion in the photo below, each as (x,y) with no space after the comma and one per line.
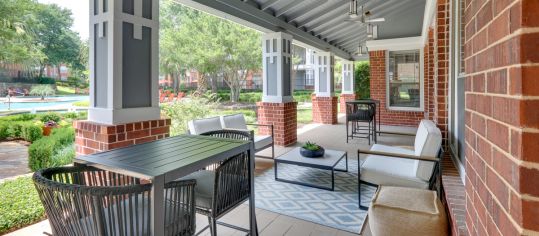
(390,171)
(262,141)
(428,141)
(204,125)
(236,121)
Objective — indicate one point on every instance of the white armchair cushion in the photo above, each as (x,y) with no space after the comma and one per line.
(236,121)
(262,141)
(428,141)
(391,171)
(204,125)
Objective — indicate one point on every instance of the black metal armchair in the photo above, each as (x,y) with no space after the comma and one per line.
(87,201)
(223,186)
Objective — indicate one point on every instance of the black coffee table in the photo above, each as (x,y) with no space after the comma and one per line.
(328,162)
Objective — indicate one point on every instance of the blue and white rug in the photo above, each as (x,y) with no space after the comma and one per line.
(337,209)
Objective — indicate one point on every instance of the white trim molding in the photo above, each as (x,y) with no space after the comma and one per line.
(430,11)
(397,44)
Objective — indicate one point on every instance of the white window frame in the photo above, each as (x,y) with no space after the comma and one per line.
(421,82)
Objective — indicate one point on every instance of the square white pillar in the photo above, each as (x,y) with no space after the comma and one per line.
(277,67)
(324,85)
(124,69)
(347,77)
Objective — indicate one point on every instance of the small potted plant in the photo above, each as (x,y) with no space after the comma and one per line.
(47,128)
(311,150)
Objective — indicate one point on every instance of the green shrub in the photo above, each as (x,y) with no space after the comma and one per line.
(63,156)
(3,131)
(46,80)
(183,111)
(41,152)
(71,115)
(19,205)
(42,90)
(50,116)
(31,132)
(26,130)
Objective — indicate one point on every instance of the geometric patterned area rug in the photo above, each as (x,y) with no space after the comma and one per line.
(337,209)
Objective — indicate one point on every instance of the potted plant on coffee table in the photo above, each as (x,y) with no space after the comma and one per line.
(311,149)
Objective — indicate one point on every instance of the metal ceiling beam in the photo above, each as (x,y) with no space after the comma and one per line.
(288,7)
(268,4)
(335,9)
(249,15)
(317,6)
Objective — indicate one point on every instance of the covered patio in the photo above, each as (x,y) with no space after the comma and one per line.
(466,66)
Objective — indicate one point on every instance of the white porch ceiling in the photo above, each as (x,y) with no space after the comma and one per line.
(320,23)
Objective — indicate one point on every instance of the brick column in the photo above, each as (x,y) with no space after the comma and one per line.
(342,101)
(283,116)
(441,65)
(502,117)
(93,137)
(324,110)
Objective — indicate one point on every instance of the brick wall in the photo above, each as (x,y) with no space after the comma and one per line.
(283,116)
(324,109)
(429,75)
(441,66)
(502,117)
(342,101)
(92,137)
(378,88)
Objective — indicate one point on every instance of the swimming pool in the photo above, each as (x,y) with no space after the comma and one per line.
(61,100)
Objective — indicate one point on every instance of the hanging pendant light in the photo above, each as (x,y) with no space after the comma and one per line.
(352,12)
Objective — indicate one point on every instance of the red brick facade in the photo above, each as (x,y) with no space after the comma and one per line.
(441,66)
(93,137)
(342,101)
(283,116)
(324,109)
(378,87)
(502,117)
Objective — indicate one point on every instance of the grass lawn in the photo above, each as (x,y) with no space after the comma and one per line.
(305,116)
(62,90)
(82,104)
(19,204)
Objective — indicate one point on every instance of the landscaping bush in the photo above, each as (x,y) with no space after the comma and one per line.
(19,204)
(26,130)
(180,112)
(63,156)
(41,152)
(50,116)
(46,80)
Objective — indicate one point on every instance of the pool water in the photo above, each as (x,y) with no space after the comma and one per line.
(61,100)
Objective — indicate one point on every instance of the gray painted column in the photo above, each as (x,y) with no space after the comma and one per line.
(324,85)
(347,77)
(124,70)
(277,67)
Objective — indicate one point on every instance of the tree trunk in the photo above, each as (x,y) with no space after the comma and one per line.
(214,88)
(59,72)
(41,69)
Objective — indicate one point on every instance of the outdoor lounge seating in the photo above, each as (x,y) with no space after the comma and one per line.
(237,122)
(222,186)
(87,201)
(414,167)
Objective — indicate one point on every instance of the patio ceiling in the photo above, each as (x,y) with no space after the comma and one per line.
(320,23)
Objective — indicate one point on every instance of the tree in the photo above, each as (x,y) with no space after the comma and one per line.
(59,43)
(362,79)
(16,32)
(42,90)
(213,46)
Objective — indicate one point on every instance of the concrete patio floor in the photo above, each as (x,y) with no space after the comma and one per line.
(273,224)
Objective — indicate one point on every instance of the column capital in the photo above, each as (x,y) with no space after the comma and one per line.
(347,77)
(124,69)
(323,74)
(277,67)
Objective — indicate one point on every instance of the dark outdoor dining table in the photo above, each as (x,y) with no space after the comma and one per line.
(168,159)
(376,104)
